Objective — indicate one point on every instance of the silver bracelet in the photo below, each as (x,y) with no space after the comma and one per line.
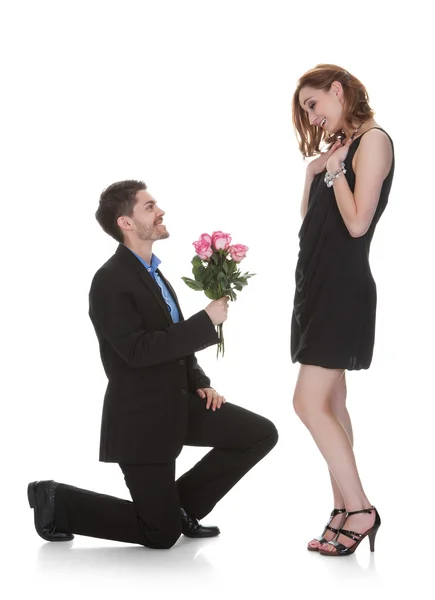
(331,177)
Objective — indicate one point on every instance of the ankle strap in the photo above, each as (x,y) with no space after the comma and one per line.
(338,511)
(363,510)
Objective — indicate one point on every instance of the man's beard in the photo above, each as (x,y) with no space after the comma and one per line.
(152,233)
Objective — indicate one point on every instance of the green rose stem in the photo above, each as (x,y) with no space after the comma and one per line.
(221,343)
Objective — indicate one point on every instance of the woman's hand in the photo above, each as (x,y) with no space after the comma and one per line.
(338,156)
(319,164)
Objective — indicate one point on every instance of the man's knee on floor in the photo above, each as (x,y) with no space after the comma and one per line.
(159,539)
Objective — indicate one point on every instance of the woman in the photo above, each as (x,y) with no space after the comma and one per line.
(333,323)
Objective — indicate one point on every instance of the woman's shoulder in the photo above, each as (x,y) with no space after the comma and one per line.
(374,134)
(373,141)
(374,149)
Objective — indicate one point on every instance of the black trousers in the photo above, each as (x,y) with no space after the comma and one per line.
(239,439)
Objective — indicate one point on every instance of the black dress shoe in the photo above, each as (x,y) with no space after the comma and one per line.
(192,528)
(41,496)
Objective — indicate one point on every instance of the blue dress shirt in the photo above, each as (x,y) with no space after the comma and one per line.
(152,270)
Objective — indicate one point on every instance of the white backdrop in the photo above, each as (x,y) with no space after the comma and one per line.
(194,98)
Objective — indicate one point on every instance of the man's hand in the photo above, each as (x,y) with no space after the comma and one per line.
(217,310)
(214,399)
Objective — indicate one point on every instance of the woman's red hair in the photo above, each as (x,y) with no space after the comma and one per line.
(356,106)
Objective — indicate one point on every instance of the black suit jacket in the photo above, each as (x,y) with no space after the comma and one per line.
(149,362)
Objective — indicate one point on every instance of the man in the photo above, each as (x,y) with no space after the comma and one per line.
(157,399)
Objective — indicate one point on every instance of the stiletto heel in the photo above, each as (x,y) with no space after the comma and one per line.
(321,539)
(372,536)
(341,549)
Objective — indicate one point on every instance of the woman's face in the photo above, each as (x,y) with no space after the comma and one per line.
(324,109)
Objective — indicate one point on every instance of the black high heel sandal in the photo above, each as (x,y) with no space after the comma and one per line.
(321,539)
(341,549)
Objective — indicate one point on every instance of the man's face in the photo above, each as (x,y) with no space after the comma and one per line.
(146,221)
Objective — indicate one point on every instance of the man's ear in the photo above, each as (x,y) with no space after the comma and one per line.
(124,223)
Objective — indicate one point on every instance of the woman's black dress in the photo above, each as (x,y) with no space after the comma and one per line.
(334,314)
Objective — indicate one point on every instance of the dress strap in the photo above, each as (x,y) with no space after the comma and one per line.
(380,129)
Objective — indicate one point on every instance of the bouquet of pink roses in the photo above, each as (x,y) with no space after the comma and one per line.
(215,268)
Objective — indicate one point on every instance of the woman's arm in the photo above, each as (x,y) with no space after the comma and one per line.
(372,165)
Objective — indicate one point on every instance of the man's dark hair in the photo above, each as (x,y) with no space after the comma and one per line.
(117,200)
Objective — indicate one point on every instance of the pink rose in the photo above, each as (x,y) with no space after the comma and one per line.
(221,240)
(238,252)
(203,247)
(205,237)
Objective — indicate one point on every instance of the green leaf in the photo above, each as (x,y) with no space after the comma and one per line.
(215,258)
(194,285)
(243,279)
(238,287)
(208,277)
(210,293)
(196,261)
(198,273)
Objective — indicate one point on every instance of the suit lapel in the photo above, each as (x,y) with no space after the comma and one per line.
(151,284)
(128,258)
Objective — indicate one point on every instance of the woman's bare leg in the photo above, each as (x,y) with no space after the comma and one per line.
(338,407)
(312,402)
